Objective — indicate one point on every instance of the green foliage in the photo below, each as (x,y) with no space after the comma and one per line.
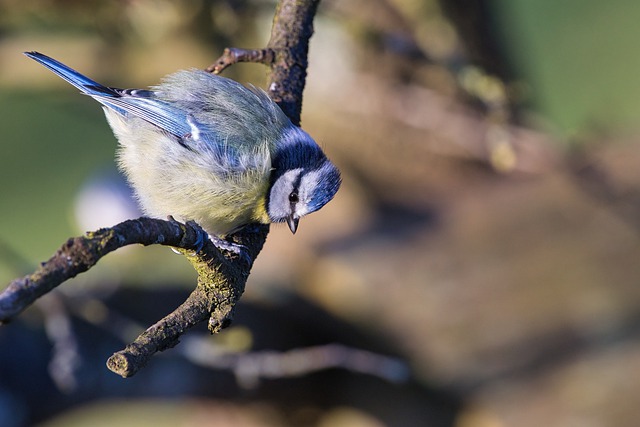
(579,58)
(50,146)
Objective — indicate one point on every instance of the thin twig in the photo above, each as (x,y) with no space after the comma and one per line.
(234,55)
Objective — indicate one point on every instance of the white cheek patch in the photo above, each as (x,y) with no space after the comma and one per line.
(279,205)
(291,175)
(308,185)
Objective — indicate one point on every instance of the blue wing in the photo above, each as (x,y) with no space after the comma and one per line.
(140,103)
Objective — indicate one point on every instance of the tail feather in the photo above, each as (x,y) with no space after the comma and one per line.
(139,103)
(80,81)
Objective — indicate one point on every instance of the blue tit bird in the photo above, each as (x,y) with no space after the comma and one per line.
(205,148)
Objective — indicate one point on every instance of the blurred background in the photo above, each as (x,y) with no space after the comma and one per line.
(478,268)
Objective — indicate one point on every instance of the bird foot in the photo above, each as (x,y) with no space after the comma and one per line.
(227,246)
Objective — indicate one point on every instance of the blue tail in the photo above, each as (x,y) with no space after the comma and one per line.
(139,103)
(84,83)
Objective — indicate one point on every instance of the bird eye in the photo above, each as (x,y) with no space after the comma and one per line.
(293,197)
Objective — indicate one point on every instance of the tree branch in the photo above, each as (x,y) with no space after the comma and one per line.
(221,282)
(286,54)
(290,34)
(234,55)
(221,277)
(79,254)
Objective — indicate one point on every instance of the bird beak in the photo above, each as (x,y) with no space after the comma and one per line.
(293,223)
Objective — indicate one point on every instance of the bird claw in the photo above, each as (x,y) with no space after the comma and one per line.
(235,248)
(201,236)
(218,242)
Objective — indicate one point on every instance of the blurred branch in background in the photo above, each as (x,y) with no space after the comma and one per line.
(599,181)
(250,367)
(234,355)
(422,55)
(419,47)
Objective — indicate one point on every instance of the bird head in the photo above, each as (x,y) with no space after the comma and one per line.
(303,179)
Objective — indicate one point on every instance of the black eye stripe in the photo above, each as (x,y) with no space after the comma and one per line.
(294,196)
(296,186)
